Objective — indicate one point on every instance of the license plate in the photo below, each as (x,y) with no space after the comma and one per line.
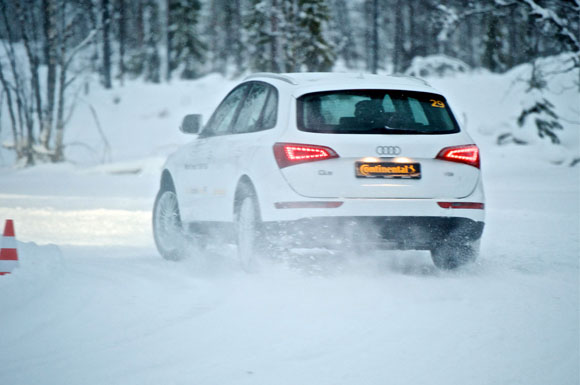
(388,170)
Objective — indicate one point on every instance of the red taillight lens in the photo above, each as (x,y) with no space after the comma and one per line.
(289,154)
(462,205)
(461,154)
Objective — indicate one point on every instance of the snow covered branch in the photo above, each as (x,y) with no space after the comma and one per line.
(550,17)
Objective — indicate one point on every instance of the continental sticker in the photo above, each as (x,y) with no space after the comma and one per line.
(388,170)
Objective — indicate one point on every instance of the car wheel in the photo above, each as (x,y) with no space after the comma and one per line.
(450,256)
(168,231)
(247,233)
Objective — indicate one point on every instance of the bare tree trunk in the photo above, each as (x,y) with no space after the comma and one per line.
(106,15)
(399,37)
(93,17)
(512,29)
(32,57)
(345,30)
(275,46)
(58,155)
(24,119)
(238,44)
(470,51)
(411,22)
(59,134)
(10,105)
(140,39)
(65,58)
(168,40)
(50,33)
(230,32)
(375,37)
(122,18)
(287,52)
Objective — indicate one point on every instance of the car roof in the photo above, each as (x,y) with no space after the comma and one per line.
(305,82)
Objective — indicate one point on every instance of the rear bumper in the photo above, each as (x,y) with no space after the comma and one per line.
(402,233)
(274,202)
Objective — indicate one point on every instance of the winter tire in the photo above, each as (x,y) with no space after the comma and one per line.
(451,256)
(247,233)
(167,227)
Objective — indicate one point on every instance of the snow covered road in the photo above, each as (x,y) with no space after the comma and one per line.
(103,308)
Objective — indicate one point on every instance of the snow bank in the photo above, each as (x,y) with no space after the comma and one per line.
(436,65)
(139,120)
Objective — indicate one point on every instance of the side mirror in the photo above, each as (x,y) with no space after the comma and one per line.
(191,124)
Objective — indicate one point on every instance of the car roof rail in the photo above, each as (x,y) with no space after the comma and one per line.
(271,75)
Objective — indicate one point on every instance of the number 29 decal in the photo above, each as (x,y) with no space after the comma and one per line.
(437,103)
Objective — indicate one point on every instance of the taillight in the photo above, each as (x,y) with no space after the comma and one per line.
(290,154)
(461,154)
(462,205)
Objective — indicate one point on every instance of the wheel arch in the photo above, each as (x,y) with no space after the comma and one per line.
(245,187)
(166,181)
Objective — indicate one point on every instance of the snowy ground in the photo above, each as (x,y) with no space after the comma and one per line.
(93,303)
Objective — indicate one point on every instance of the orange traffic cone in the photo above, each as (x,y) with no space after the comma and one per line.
(8,253)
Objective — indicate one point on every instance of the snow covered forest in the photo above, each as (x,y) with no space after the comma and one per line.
(54,51)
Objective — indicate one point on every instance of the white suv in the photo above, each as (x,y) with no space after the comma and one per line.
(342,161)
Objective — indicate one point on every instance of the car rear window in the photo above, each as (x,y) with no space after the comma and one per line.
(380,112)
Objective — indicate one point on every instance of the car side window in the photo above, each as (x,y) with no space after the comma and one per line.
(270,112)
(259,109)
(221,120)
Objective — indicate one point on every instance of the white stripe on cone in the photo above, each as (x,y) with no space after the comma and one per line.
(8,242)
(7,266)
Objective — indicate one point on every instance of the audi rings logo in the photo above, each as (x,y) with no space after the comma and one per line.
(389,150)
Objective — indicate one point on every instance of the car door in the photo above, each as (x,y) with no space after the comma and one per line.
(204,172)
(237,149)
